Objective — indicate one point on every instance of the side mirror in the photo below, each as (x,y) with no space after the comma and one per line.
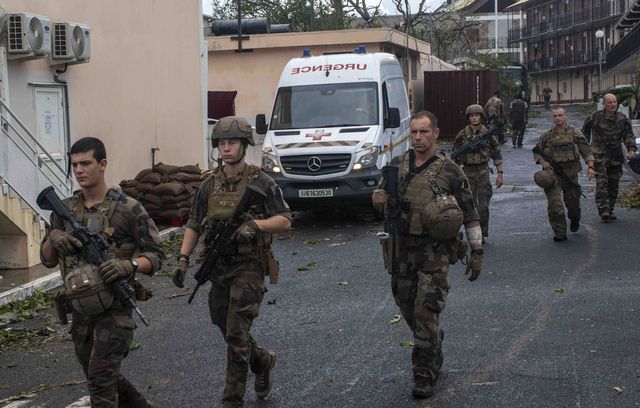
(261,124)
(393,118)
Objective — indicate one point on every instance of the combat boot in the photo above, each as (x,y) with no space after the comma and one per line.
(264,380)
(605,215)
(612,216)
(575,225)
(560,237)
(422,387)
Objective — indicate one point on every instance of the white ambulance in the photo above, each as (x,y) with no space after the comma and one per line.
(337,120)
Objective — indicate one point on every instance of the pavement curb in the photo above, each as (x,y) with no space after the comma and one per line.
(52,280)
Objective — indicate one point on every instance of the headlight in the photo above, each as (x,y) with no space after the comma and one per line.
(270,164)
(368,159)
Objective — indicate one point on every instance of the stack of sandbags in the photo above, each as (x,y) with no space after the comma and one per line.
(166,191)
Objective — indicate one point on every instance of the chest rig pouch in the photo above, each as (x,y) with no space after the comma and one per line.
(83,284)
(423,211)
(562,146)
(221,206)
(478,156)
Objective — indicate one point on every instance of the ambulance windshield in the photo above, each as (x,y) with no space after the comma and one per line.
(326,105)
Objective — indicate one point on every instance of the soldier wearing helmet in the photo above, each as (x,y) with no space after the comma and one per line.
(237,285)
(475,164)
(564,144)
(434,202)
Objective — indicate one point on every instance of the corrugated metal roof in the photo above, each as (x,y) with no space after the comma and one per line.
(517,4)
(459,5)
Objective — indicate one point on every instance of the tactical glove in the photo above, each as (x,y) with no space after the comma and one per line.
(64,242)
(114,269)
(179,272)
(475,265)
(246,231)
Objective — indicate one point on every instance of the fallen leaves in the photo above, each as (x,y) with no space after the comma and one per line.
(619,390)
(307,267)
(406,344)
(42,387)
(134,346)
(395,319)
(559,290)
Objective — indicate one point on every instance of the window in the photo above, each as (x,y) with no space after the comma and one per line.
(397,95)
(327,105)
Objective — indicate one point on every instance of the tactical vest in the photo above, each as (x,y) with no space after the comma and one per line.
(478,156)
(492,106)
(221,205)
(562,145)
(84,286)
(419,198)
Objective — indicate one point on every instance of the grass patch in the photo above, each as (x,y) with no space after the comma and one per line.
(26,309)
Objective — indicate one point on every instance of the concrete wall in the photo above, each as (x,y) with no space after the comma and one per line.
(143,87)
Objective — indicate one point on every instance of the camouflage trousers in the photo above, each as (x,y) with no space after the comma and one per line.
(607,182)
(561,191)
(517,133)
(420,286)
(101,343)
(480,183)
(234,302)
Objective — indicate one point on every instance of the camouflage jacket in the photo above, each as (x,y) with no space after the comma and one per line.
(480,156)
(130,231)
(494,108)
(607,134)
(565,146)
(274,204)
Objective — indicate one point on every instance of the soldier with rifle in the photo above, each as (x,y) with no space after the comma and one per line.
(558,151)
(426,199)
(237,209)
(473,148)
(100,239)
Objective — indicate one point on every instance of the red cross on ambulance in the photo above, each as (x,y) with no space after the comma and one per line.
(317,135)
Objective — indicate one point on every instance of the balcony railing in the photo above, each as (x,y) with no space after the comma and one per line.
(568,20)
(626,48)
(566,60)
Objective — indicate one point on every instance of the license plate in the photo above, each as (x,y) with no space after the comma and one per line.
(323,192)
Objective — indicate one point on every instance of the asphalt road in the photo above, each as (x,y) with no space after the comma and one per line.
(547,324)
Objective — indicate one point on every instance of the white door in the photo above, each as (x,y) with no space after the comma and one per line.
(51,133)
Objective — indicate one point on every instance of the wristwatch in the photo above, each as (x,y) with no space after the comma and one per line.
(135,264)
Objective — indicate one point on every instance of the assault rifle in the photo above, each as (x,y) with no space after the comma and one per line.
(219,238)
(93,249)
(478,142)
(392,221)
(558,170)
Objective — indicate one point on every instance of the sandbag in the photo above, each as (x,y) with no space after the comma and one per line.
(146,187)
(143,173)
(182,177)
(153,177)
(165,168)
(173,188)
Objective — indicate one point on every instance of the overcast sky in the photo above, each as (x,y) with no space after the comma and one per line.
(386,4)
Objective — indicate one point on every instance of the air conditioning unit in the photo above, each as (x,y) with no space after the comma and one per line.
(71,43)
(28,36)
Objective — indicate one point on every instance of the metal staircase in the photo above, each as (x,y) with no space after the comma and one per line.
(25,169)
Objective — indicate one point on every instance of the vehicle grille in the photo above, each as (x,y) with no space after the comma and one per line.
(328,164)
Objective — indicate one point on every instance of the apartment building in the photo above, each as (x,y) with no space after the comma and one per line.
(565,43)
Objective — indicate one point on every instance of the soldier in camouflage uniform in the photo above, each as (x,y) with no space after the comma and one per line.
(608,129)
(494,110)
(419,270)
(102,327)
(518,113)
(476,164)
(237,285)
(564,144)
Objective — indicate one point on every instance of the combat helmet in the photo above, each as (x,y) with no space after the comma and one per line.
(232,127)
(545,178)
(475,108)
(442,217)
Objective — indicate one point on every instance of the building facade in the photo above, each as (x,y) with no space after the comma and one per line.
(565,44)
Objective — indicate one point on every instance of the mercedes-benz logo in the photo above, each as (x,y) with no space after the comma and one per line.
(314,163)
